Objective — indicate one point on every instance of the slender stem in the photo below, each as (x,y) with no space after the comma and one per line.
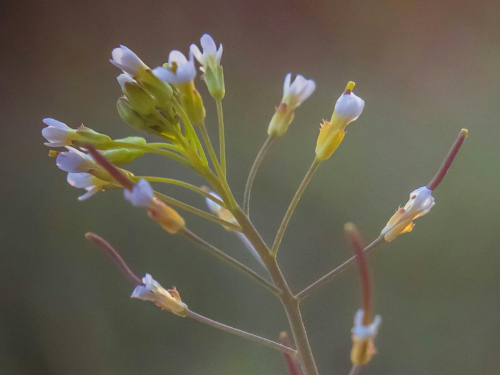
(290,303)
(253,172)
(168,146)
(333,274)
(153,150)
(222,141)
(187,207)
(355,370)
(238,332)
(292,206)
(180,183)
(211,150)
(190,129)
(222,178)
(221,255)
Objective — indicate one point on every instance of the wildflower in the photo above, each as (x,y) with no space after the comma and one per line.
(90,183)
(128,61)
(169,300)
(294,94)
(363,348)
(347,109)
(179,69)
(142,195)
(420,203)
(75,161)
(59,134)
(210,61)
(181,72)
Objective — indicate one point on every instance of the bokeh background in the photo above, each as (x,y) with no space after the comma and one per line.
(426,69)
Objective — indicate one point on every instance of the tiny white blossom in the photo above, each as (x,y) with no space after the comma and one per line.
(361,331)
(141,195)
(209,48)
(349,106)
(57,133)
(180,70)
(75,161)
(154,292)
(295,93)
(126,60)
(88,182)
(420,203)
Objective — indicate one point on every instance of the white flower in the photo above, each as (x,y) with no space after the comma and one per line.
(141,195)
(363,332)
(75,161)
(420,203)
(209,48)
(126,60)
(124,78)
(295,93)
(57,133)
(179,70)
(88,182)
(349,106)
(154,292)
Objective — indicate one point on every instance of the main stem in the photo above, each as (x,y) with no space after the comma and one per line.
(289,301)
(222,141)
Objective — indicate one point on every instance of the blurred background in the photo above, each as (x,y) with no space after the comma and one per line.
(426,69)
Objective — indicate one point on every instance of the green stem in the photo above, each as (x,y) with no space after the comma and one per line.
(291,208)
(221,255)
(169,154)
(238,332)
(187,207)
(222,141)
(168,146)
(253,172)
(222,178)
(289,301)
(179,183)
(333,274)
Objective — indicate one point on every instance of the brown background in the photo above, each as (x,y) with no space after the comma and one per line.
(426,69)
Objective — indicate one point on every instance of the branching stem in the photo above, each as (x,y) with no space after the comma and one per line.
(253,172)
(333,274)
(238,332)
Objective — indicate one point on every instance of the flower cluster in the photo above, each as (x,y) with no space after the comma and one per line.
(164,102)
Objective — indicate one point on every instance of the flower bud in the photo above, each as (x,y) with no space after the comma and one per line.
(420,203)
(88,135)
(128,61)
(192,103)
(140,100)
(294,95)
(129,115)
(161,90)
(210,61)
(363,336)
(142,195)
(169,300)
(347,109)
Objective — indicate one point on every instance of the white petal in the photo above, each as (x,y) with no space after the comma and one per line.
(127,60)
(88,194)
(56,135)
(56,124)
(178,57)
(74,161)
(81,180)
(212,206)
(349,106)
(286,84)
(197,53)
(124,78)
(218,55)
(141,195)
(208,44)
(141,292)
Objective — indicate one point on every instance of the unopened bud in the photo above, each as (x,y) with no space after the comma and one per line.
(192,103)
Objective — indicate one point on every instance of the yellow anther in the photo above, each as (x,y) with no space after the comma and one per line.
(464,132)
(53,153)
(349,87)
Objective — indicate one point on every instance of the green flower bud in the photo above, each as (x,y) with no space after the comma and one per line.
(90,136)
(161,90)
(139,99)
(129,115)
(122,156)
(192,103)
